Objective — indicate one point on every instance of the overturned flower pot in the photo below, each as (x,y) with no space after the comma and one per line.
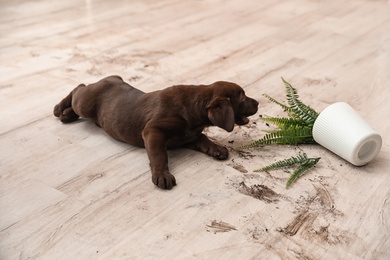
(340,129)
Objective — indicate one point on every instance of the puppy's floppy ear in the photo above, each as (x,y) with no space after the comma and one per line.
(220,113)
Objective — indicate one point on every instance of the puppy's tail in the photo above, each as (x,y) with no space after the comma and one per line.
(64,109)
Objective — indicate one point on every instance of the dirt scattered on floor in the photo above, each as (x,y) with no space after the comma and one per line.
(219,226)
(237,166)
(304,218)
(260,192)
(245,155)
(315,217)
(240,168)
(324,196)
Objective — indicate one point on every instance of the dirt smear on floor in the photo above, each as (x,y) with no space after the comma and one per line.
(315,218)
(260,192)
(303,218)
(312,217)
(219,226)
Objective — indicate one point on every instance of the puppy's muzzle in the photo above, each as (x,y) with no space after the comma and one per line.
(247,108)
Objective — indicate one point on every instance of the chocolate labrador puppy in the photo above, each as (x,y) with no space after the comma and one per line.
(163,119)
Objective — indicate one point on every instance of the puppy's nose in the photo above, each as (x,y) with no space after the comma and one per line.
(254,104)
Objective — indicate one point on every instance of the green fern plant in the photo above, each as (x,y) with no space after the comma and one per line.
(296,128)
(304,164)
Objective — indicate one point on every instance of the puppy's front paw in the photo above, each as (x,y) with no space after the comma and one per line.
(164,180)
(57,111)
(219,152)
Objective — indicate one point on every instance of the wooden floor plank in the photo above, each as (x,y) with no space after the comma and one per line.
(70,191)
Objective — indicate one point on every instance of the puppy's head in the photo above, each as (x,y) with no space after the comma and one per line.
(229,105)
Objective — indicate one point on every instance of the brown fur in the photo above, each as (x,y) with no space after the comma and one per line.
(163,119)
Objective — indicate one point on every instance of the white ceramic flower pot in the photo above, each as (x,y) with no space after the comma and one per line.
(343,131)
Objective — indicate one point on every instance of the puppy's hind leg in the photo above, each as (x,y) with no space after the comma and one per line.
(64,109)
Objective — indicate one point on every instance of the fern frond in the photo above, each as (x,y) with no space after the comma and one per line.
(286,108)
(299,109)
(304,162)
(301,170)
(284,122)
(301,158)
(292,136)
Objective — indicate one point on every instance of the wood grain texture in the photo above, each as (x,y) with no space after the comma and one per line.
(71,192)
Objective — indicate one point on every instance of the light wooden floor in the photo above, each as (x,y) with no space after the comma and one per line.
(71,192)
